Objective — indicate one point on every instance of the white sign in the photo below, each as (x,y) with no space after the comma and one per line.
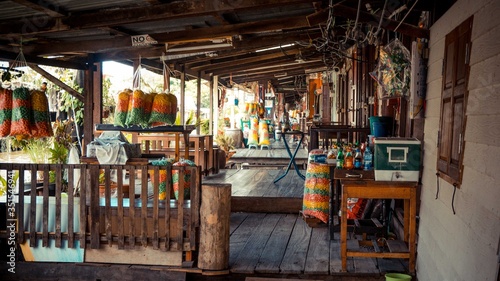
(143,40)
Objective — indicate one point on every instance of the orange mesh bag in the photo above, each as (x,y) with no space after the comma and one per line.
(5,112)
(21,113)
(41,118)
(122,108)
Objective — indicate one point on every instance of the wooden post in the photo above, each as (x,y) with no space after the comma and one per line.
(214,229)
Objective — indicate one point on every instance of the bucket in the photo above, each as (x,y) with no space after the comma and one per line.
(236,135)
(381,126)
(397,277)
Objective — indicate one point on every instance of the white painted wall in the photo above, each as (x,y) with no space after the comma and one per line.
(464,246)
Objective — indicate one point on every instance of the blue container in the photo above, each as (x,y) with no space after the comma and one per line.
(381,126)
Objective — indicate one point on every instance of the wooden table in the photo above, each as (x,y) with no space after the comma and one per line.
(337,175)
(382,190)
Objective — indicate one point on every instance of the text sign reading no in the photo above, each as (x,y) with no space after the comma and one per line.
(142,40)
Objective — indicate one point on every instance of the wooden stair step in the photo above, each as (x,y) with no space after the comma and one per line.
(397,246)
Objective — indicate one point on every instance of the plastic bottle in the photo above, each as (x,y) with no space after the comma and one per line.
(368,157)
(349,160)
(358,160)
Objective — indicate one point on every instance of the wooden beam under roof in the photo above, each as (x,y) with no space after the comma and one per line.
(122,16)
(245,61)
(272,69)
(208,33)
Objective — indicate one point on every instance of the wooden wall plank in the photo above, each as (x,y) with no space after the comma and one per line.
(180,209)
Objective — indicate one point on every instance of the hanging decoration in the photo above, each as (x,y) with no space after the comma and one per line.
(393,71)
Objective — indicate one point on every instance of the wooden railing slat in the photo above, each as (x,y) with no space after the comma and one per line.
(156,195)
(169,189)
(58,172)
(132,205)
(71,206)
(45,210)
(180,209)
(33,206)
(195,203)
(20,206)
(121,236)
(107,194)
(95,227)
(83,206)
(144,205)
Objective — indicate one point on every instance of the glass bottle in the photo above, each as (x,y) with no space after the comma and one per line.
(340,158)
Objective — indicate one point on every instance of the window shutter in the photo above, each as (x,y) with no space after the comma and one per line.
(453,102)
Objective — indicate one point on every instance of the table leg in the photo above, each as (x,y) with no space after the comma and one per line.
(343,232)
(413,229)
(292,160)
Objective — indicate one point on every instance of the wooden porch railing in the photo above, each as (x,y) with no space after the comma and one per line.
(141,219)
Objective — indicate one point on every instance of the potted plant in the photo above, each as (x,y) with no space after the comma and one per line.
(226,145)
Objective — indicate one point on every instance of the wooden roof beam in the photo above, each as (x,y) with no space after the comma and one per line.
(208,33)
(247,61)
(174,10)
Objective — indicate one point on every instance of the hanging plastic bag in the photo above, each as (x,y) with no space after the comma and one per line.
(393,71)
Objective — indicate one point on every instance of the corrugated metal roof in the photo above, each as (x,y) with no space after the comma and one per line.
(11,10)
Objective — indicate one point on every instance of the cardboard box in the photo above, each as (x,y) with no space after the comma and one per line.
(397,159)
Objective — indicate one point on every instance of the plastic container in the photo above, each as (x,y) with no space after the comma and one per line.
(381,126)
(397,277)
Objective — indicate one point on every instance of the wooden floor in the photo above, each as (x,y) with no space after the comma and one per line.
(282,243)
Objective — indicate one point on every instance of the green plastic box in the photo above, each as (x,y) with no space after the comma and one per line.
(397,159)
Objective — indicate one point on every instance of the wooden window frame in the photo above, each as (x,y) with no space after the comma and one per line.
(454,97)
